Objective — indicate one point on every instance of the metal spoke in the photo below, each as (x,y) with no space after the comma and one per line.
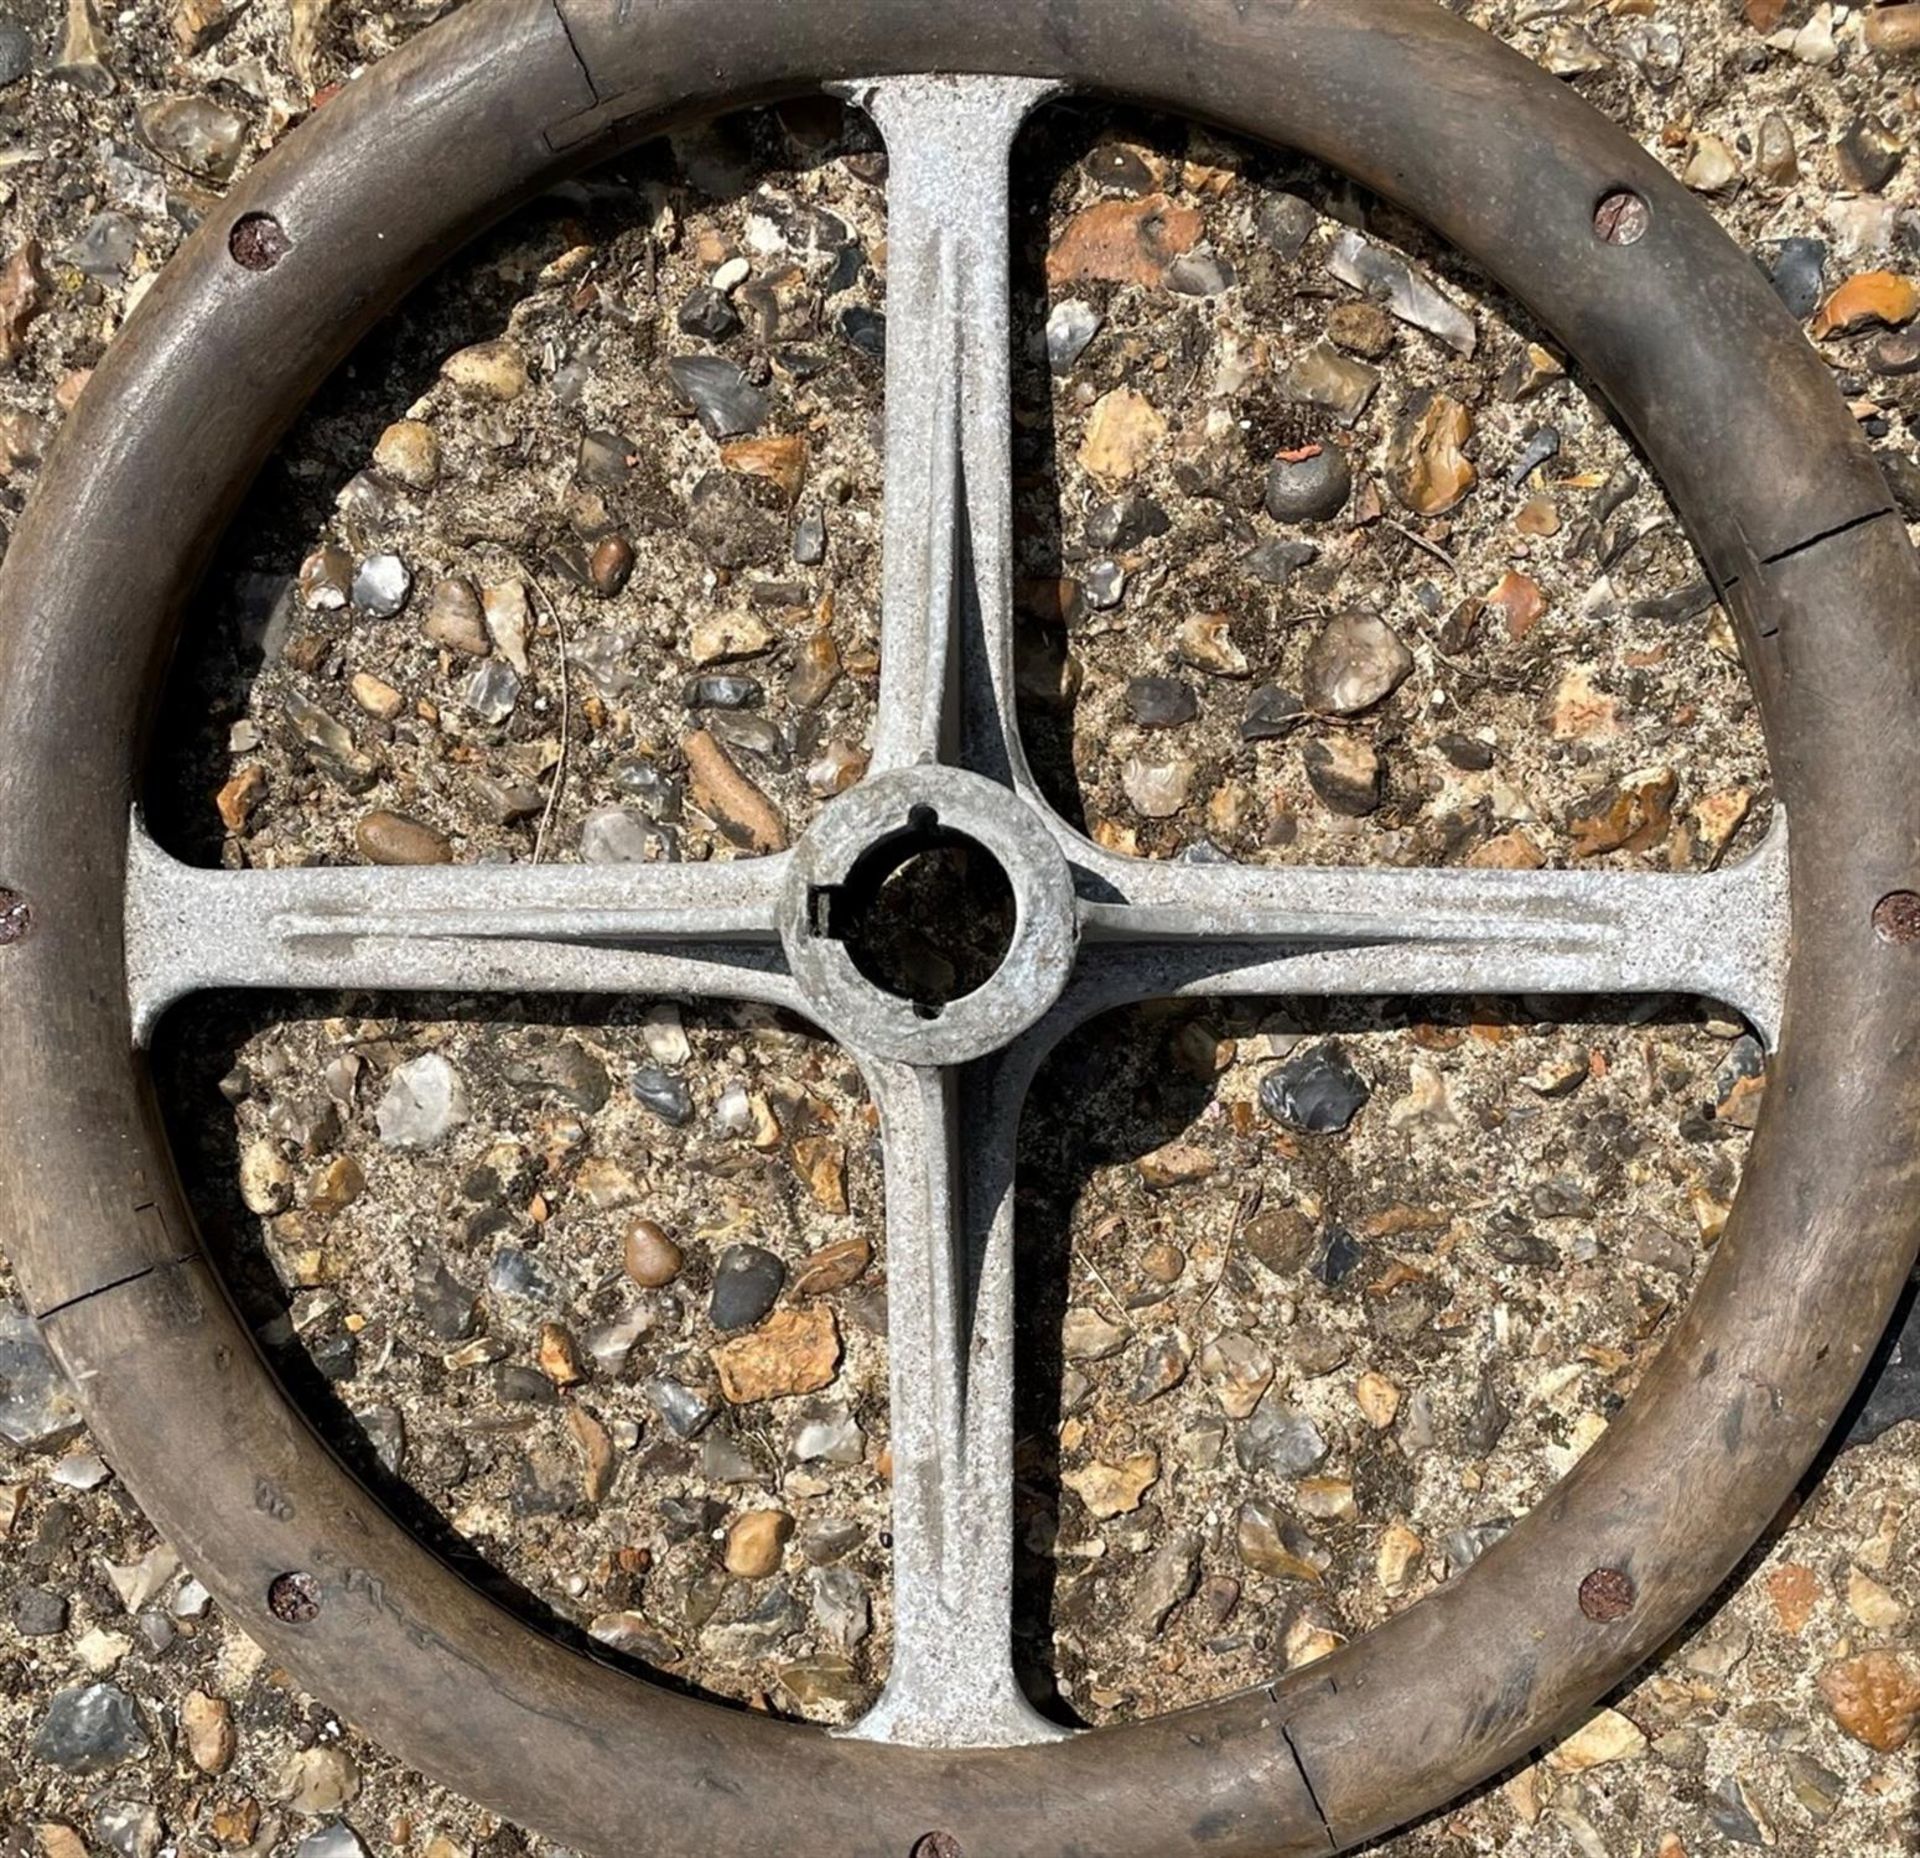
(949,1138)
(658,928)
(1155,929)
(946,640)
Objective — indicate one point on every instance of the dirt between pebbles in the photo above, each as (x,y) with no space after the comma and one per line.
(505,594)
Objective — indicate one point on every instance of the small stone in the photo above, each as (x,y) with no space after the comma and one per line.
(1426,468)
(377,697)
(1798,274)
(381,586)
(1711,167)
(16,50)
(1633,815)
(1114,1489)
(1868,154)
(810,540)
(1206,642)
(1604,1737)
(1866,300)
(338,1840)
(90,1729)
(206,1725)
(781,461)
(1173,1571)
(38,1612)
(266,1181)
(202,136)
(492,692)
(1776,157)
(610,566)
(1272,713)
(1520,599)
(727,404)
(1175,1164)
(666,1095)
(1164,1368)
(1346,773)
(755,1541)
(1324,377)
(793,1352)
(1157,789)
(1875,1698)
(394,839)
(488,370)
(616,835)
(1123,431)
(747,1281)
(1399,1553)
(454,619)
(651,1258)
(1123,242)
(833,1267)
(408,453)
(1239,1370)
(1086,1335)
(1274,1544)
(1361,329)
(1161,702)
(707,313)
(425,1101)
(1071,326)
(724,636)
(1279,1442)
(1200,274)
(37,1412)
(1355,662)
(1894,31)
(1310,485)
(1387,278)
(1317,1091)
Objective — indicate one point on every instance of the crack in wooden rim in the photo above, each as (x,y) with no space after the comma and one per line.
(1788,510)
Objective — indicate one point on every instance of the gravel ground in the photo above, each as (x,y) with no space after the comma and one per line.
(1317,1299)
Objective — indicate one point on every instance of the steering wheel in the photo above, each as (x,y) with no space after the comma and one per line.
(1817,940)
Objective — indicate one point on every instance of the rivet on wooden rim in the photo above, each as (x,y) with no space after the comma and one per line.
(16,917)
(1622,218)
(1606,1595)
(1896,917)
(294,1599)
(258,242)
(938,1845)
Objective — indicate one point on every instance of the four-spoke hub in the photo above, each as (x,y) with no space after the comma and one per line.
(993,916)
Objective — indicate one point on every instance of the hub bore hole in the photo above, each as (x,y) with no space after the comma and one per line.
(927,915)
(294,1599)
(258,242)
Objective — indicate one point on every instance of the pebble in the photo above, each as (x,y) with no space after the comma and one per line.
(1200,274)
(617,835)
(666,1095)
(755,1541)
(90,1729)
(1346,773)
(105,247)
(1284,223)
(1324,377)
(488,370)
(1114,1489)
(1277,560)
(202,136)
(206,1725)
(1355,661)
(1604,1737)
(1868,154)
(1123,523)
(1875,1698)
(747,1281)
(16,50)
(1712,166)
(708,313)
(394,839)
(338,1840)
(1071,326)
(1894,31)
(728,405)
(1279,1441)
(454,619)
(1157,789)
(1317,1091)
(1239,1371)
(1105,584)
(1866,299)
(1777,158)
(128,1829)
(810,540)
(1271,714)
(37,1612)
(1386,278)
(1123,432)
(792,1352)
(37,1412)
(1161,702)
(1123,242)
(722,636)
(686,1413)
(841,1607)
(1273,1544)
(424,1102)
(1309,485)
(1426,469)
(1172,1573)
(381,586)
(408,452)
(491,693)
(1206,642)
